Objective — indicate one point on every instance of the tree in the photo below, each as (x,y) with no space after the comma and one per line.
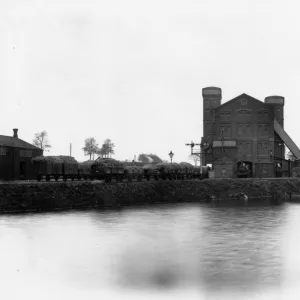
(100,152)
(90,147)
(291,156)
(194,158)
(41,140)
(107,149)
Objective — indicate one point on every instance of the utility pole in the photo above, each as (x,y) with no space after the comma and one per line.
(70,149)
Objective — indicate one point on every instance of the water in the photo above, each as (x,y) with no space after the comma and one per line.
(164,252)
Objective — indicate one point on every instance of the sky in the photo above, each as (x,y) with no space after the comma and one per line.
(133,71)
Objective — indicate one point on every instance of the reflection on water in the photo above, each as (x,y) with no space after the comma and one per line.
(175,251)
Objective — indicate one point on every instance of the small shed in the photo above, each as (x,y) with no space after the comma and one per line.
(15,158)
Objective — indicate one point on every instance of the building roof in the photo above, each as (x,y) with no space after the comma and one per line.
(9,141)
(239,97)
(224,144)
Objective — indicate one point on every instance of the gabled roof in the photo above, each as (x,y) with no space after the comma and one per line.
(9,141)
(239,97)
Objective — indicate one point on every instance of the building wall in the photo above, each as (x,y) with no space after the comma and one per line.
(15,159)
(250,124)
(247,121)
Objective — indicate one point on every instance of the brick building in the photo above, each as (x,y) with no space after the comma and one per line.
(245,132)
(15,158)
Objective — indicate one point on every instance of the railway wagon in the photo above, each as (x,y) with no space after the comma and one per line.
(200,172)
(55,167)
(151,171)
(84,170)
(187,170)
(133,172)
(167,171)
(107,169)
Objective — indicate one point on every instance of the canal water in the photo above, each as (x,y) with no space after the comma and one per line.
(184,251)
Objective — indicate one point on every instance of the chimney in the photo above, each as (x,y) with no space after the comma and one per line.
(15,132)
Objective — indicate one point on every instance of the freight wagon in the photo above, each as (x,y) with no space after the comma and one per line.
(59,167)
(108,169)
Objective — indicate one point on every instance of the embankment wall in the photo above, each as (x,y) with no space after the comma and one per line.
(63,195)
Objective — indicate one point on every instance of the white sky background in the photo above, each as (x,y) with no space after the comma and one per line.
(133,71)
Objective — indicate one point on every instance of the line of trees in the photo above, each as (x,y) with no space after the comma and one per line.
(91,148)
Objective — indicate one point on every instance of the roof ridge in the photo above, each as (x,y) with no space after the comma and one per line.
(10,141)
(239,96)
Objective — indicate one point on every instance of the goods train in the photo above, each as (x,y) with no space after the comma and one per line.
(66,167)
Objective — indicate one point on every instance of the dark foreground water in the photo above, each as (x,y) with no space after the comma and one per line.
(163,252)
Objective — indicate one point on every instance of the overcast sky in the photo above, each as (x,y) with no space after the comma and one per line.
(133,71)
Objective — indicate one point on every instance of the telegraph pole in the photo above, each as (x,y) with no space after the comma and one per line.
(70,149)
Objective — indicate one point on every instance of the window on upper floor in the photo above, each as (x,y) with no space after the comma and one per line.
(3,151)
(263,148)
(25,153)
(243,130)
(263,130)
(225,131)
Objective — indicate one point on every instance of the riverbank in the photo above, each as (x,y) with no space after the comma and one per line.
(43,196)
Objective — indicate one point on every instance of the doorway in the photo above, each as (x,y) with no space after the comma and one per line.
(22,170)
(244,169)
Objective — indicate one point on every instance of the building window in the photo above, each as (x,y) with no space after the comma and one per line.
(225,131)
(25,153)
(263,130)
(263,148)
(3,151)
(248,130)
(244,130)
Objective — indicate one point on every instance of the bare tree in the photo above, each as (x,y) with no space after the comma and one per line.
(194,158)
(41,140)
(90,147)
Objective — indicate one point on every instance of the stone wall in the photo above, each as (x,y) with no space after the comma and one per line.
(57,196)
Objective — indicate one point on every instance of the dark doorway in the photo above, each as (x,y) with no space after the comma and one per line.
(278,169)
(22,170)
(244,169)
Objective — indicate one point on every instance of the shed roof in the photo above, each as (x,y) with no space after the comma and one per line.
(224,144)
(9,141)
